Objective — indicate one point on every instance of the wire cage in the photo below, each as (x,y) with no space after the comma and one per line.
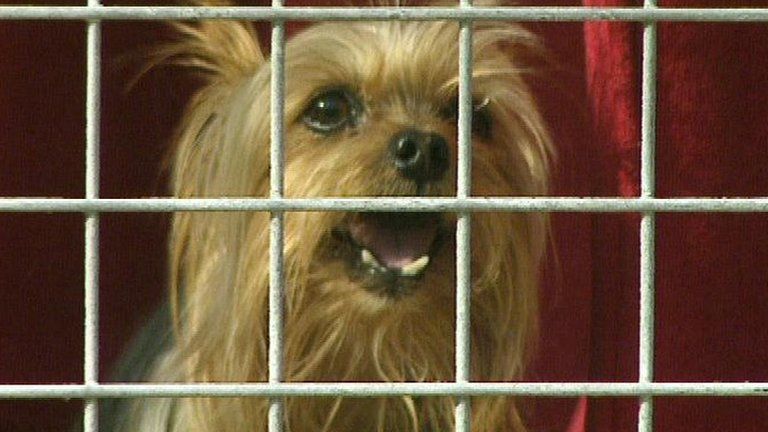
(647,205)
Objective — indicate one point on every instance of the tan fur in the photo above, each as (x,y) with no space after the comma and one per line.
(335,330)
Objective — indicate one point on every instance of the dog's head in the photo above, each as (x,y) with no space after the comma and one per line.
(370,111)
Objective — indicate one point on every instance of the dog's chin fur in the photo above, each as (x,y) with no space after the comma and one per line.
(339,324)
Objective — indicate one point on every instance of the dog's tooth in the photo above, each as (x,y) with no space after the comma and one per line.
(415,267)
(367,258)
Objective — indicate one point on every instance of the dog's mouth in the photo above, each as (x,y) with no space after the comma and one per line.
(392,250)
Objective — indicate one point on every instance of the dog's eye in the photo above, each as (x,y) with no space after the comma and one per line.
(482,121)
(331,111)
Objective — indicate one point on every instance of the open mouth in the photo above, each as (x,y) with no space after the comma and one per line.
(392,250)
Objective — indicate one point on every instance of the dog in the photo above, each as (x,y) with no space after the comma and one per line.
(370,111)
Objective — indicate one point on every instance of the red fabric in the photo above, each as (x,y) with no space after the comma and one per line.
(712,307)
(578,422)
(711,304)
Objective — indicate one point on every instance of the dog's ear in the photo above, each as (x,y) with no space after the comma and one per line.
(219,49)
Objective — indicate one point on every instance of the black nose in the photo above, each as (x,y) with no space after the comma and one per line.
(419,156)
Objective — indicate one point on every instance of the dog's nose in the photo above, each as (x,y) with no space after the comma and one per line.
(419,156)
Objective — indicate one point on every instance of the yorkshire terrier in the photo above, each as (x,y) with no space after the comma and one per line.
(370,111)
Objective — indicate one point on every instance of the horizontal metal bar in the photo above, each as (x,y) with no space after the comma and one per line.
(359,14)
(378,389)
(383,204)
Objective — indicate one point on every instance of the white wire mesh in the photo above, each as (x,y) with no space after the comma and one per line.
(276,293)
(92,206)
(92,169)
(155,13)
(648,221)
(463,413)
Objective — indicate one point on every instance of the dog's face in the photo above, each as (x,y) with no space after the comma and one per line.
(368,123)
(370,111)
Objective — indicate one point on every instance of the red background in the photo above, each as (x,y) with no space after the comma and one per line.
(712,272)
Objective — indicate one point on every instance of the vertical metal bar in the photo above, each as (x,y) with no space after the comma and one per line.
(463,227)
(91,270)
(276,291)
(648,222)
(648,122)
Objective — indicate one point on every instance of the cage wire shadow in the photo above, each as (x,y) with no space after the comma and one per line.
(647,205)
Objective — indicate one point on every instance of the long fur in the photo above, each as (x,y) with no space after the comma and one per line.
(334,330)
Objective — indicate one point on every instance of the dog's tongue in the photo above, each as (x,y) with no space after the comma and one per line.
(396,239)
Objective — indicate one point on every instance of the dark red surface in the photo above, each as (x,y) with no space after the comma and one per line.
(712,306)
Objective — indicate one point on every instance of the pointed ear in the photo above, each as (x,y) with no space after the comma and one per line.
(221,50)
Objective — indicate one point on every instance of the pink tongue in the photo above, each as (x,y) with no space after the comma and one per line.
(395,239)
